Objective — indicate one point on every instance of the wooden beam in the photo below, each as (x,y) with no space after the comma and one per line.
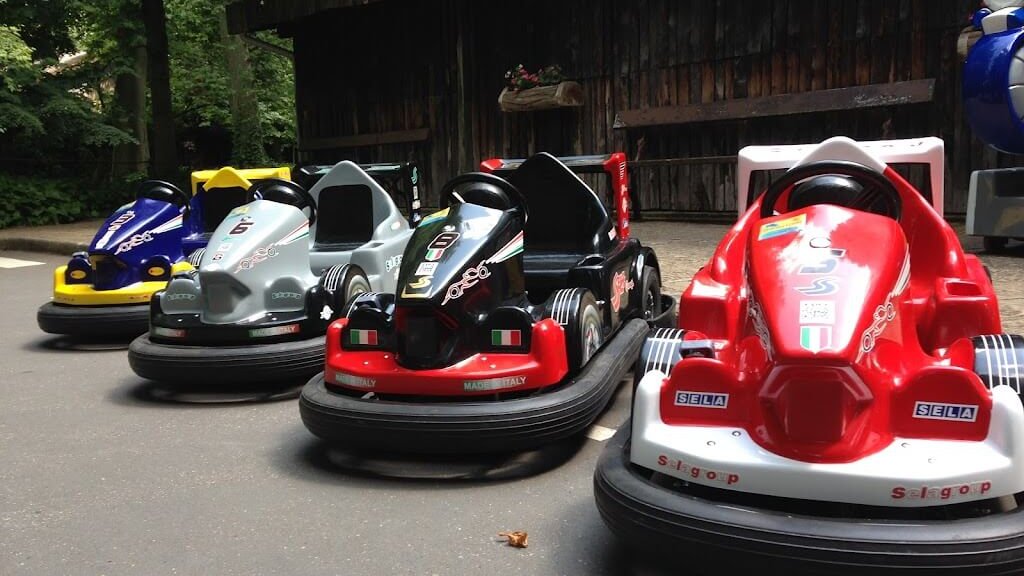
(852,98)
(270,48)
(361,140)
(253,15)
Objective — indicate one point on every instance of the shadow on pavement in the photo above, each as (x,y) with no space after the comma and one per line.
(618,558)
(79,344)
(138,392)
(325,458)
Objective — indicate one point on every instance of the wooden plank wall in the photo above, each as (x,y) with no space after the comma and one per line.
(405,64)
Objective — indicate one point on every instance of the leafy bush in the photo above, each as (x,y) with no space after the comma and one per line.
(35,201)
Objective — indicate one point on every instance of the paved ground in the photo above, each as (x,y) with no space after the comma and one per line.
(103,474)
(58,239)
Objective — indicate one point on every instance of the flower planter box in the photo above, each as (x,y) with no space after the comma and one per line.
(561,95)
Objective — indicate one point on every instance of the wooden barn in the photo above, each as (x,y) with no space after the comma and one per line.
(679,85)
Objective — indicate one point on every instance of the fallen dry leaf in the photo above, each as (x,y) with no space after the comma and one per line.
(515,539)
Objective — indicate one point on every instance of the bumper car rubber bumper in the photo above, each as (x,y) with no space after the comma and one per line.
(129,320)
(256,363)
(473,425)
(734,535)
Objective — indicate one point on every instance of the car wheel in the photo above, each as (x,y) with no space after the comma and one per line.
(995,244)
(651,303)
(576,311)
(590,329)
(660,351)
(340,285)
(355,283)
(196,257)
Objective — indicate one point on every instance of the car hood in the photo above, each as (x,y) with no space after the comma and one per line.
(820,287)
(138,230)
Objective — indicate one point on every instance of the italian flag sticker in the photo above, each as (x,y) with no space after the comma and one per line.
(506,338)
(816,338)
(365,337)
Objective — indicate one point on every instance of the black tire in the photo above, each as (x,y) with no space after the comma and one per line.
(650,293)
(474,426)
(584,330)
(258,363)
(995,244)
(105,321)
(341,284)
(196,257)
(660,351)
(354,284)
(657,308)
(742,538)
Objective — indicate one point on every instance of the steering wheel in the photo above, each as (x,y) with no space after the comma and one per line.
(165,192)
(496,193)
(875,187)
(285,192)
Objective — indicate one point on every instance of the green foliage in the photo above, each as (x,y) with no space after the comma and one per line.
(36,201)
(199,80)
(50,110)
(59,121)
(200,87)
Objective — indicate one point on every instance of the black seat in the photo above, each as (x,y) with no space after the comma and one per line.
(567,221)
(217,203)
(345,220)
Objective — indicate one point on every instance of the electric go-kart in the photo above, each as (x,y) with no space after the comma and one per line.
(838,396)
(993,93)
(277,270)
(105,290)
(520,306)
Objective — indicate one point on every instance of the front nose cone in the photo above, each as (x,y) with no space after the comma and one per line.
(816,413)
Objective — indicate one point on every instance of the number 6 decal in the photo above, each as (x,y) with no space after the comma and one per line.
(241,227)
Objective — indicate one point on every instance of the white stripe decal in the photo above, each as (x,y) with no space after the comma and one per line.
(172,224)
(1016,368)
(659,357)
(563,310)
(1004,361)
(664,353)
(647,361)
(559,307)
(1011,360)
(988,361)
(651,353)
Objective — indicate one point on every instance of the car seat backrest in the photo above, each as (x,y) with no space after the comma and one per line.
(345,216)
(352,208)
(565,214)
(216,204)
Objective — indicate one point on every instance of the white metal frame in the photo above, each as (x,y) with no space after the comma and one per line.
(930,150)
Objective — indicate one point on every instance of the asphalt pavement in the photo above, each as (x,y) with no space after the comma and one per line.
(104,474)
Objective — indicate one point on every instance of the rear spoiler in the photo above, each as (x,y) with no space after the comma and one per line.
(614,165)
(405,176)
(228,177)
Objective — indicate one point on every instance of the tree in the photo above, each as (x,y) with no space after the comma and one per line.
(211,104)
(165,154)
(247,142)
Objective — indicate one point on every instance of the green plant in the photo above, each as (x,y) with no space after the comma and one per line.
(519,78)
(28,201)
(36,201)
